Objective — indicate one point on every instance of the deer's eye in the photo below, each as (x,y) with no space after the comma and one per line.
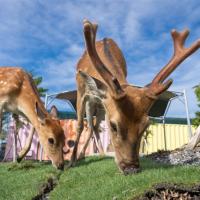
(51,141)
(113,126)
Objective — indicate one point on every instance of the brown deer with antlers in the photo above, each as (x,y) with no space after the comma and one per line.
(101,75)
(19,95)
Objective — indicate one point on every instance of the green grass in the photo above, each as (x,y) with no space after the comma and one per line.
(94,178)
(23,181)
(99,179)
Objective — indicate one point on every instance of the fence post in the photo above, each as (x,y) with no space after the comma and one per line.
(164,130)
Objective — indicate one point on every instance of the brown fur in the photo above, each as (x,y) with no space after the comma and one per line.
(101,74)
(19,95)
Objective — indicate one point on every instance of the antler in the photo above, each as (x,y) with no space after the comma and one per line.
(180,54)
(90,36)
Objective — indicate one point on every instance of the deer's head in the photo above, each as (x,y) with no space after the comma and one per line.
(127,106)
(52,137)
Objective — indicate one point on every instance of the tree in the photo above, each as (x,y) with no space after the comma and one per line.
(38,80)
(196,120)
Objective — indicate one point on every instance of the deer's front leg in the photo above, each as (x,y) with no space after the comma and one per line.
(27,146)
(80,116)
(89,115)
(89,136)
(98,142)
(99,117)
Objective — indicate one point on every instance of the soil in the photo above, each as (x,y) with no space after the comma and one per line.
(178,156)
(45,189)
(166,191)
(172,192)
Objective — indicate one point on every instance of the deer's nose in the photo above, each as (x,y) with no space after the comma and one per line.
(131,170)
(60,166)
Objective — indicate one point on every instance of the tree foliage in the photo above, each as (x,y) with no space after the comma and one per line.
(38,80)
(196,120)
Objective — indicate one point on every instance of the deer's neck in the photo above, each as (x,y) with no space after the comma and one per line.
(33,118)
(27,105)
(29,111)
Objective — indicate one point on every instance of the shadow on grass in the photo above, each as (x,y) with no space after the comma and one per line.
(148,164)
(89,160)
(27,164)
(145,163)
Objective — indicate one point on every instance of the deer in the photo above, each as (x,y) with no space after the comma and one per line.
(54,114)
(101,79)
(19,95)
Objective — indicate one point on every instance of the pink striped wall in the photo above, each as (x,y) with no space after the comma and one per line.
(69,127)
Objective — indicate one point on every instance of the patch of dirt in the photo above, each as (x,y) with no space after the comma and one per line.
(21,166)
(45,189)
(166,191)
(178,156)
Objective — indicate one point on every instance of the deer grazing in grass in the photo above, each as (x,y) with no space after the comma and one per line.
(101,79)
(26,148)
(19,95)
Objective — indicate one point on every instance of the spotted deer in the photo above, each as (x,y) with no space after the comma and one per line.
(19,95)
(101,78)
(26,148)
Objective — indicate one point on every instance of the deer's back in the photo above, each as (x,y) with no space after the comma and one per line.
(11,80)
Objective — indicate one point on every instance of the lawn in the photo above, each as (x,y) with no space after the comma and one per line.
(93,178)
(23,181)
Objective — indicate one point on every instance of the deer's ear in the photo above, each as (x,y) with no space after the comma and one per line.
(93,86)
(54,112)
(41,115)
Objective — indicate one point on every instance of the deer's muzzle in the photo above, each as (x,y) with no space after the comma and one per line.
(129,168)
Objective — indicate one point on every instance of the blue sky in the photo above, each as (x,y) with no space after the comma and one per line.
(45,37)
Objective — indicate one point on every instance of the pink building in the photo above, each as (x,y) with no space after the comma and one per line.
(69,127)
